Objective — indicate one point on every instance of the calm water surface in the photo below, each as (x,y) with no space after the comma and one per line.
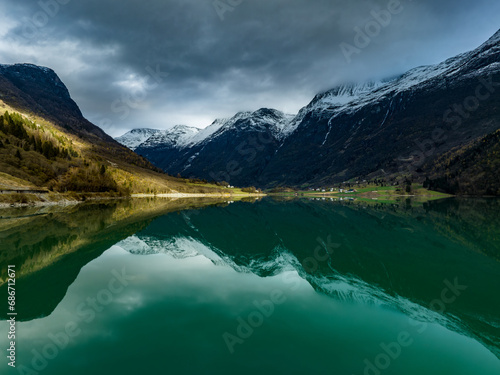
(296,287)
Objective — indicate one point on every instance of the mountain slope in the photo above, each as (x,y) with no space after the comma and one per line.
(386,129)
(135,137)
(45,142)
(473,169)
(234,150)
(176,137)
(379,130)
(39,91)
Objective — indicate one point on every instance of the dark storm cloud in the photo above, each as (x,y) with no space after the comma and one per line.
(160,62)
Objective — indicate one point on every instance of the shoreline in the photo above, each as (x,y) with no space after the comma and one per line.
(72,199)
(195,195)
(41,200)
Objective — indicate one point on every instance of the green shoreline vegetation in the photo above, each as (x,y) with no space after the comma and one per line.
(366,192)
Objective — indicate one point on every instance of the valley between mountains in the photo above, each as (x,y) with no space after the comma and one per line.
(434,127)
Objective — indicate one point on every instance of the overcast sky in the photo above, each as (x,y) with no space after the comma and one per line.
(158,63)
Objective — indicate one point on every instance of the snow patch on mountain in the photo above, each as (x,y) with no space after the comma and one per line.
(494,40)
(276,120)
(343,99)
(178,137)
(135,137)
(215,128)
(182,136)
(273,119)
(351,97)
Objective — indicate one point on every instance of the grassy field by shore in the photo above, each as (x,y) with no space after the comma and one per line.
(372,192)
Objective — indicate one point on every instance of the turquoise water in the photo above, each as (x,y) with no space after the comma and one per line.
(299,287)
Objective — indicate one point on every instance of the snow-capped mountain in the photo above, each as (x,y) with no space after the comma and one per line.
(176,137)
(396,125)
(352,130)
(216,126)
(352,97)
(182,136)
(272,119)
(206,153)
(135,137)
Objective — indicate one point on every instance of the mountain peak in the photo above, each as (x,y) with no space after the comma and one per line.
(40,91)
(27,66)
(24,74)
(135,137)
(142,130)
(268,112)
(176,136)
(183,128)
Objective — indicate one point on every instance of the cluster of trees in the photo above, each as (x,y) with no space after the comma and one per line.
(473,169)
(197,181)
(251,190)
(15,125)
(407,185)
(444,184)
(85,179)
(378,182)
(61,167)
(281,189)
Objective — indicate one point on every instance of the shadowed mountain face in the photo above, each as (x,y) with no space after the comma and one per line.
(38,90)
(236,150)
(473,168)
(400,255)
(380,129)
(398,129)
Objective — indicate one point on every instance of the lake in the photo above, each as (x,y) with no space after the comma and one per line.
(304,286)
